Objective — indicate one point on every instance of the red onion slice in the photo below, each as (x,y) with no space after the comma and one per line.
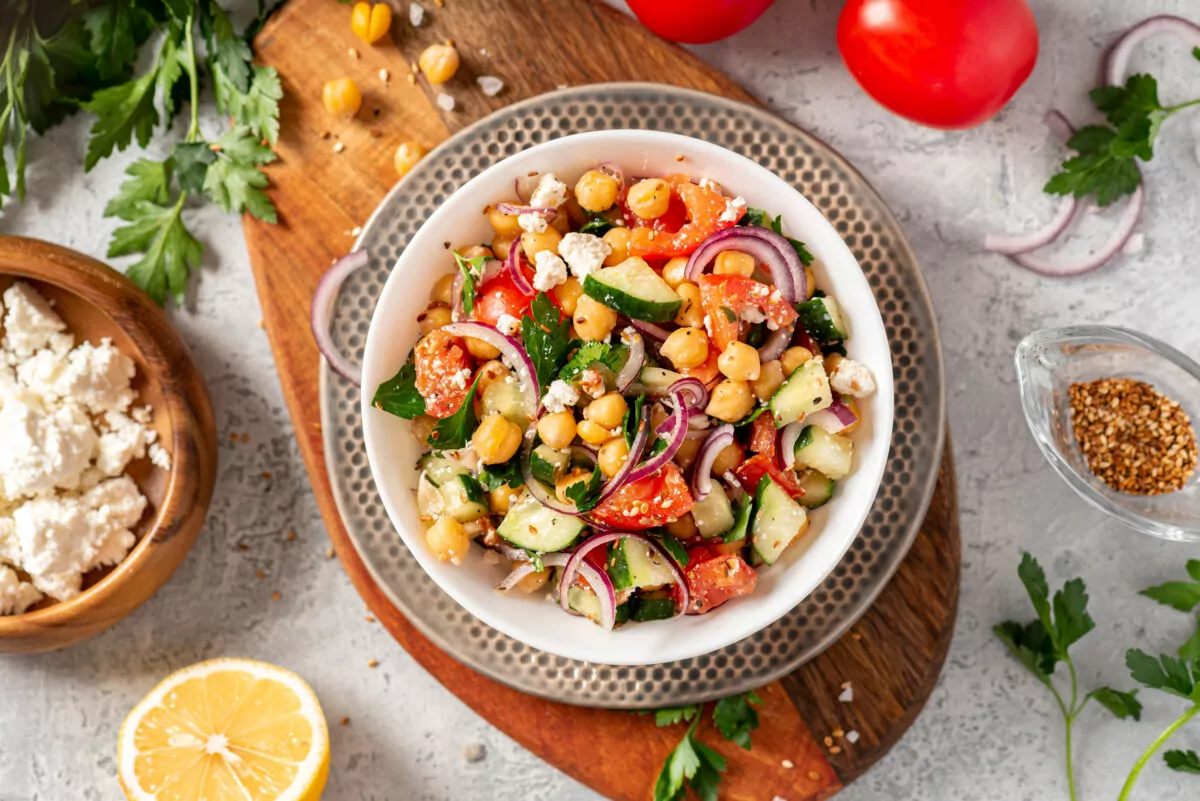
(766,246)
(512,352)
(775,345)
(513,263)
(1116,61)
(674,431)
(834,418)
(321,318)
(602,586)
(1063,267)
(635,362)
(622,476)
(578,564)
(694,393)
(657,333)
(514,209)
(614,169)
(1021,243)
(720,438)
(787,442)
(526,567)
(538,490)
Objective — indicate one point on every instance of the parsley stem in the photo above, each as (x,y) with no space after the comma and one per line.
(1172,109)
(1154,746)
(193,133)
(1068,721)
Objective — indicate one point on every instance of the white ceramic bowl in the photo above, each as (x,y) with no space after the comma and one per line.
(393,451)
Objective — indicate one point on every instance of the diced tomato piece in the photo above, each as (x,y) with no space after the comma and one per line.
(726,298)
(652,501)
(439,360)
(708,372)
(751,471)
(499,297)
(763,434)
(714,578)
(704,209)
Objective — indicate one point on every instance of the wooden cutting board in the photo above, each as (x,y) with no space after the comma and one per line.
(329,178)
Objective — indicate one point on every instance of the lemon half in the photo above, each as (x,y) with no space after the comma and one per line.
(226,730)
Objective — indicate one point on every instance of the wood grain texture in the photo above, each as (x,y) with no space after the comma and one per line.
(95,302)
(894,653)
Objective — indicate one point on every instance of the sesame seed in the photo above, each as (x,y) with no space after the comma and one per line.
(788,764)
(338,147)
(353,53)
(837,749)
(812,774)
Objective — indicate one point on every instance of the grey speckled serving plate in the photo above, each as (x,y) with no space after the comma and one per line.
(870,231)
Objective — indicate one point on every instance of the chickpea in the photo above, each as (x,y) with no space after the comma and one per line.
(607,411)
(503,224)
(371,21)
(684,528)
(490,373)
(475,251)
(342,97)
(613,455)
(534,244)
(618,240)
(734,262)
(593,320)
(770,379)
(439,62)
(534,581)
(730,457)
(649,198)
(500,499)
(691,311)
(561,222)
(497,439)
(575,211)
(731,401)
(597,191)
(574,477)
(448,540)
(501,245)
(557,429)
(792,358)
(658,416)
(675,272)
(687,453)
(407,156)
(480,349)
(832,361)
(422,428)
(442,289)
(686,348)
(810,282)
(568,294)
(435,316)
(739,362)
(593,433)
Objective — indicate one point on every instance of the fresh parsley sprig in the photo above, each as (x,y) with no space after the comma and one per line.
(472,272)
(1044,642)
(399,395)
(454,432)
(547,338)
(694,764)
(1106,164)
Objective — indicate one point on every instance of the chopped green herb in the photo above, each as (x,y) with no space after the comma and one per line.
(495,476)
(675,548)
(729,313)
(736,718)
(547,339)
(472,271)
(597,225)
(592,352)
(399,396)
(586,494)
(454,432)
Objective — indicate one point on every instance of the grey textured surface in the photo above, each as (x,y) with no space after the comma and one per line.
(989,732)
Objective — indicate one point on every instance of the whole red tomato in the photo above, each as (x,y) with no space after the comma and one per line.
(942,63)
(697,21)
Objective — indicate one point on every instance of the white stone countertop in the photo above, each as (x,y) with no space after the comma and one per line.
(989,731)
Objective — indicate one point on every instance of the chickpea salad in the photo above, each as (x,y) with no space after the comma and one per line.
(633,395)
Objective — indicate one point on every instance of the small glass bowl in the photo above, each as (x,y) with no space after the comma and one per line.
(1050,360)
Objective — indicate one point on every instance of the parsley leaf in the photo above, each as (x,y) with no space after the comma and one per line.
(1166,673)
(192,160)
(758,217)
(1030,645)
(1123,705)
(157,231)
(806,258)
(1183,761)
(750,418)
(592,352)
(233,180)
(736,718)
(258,108)
(1190,650)
(115,32)
(148,180)
(399,396)
(675,714)
(495,476)
(633,419)
(454,432)
(1071,619)
(123,112)
(547,338)
(729,313)
(1181,595)
(586,494)
(472,270)
(675,548)
(691,762)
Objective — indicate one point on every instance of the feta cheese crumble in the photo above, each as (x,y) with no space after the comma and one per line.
(507,324)
(733,210)
(550,193)
(560,396)
(549,271)
(67,435)
(531,222)
(585,253)
(445,101)
(851,378)
(416,14)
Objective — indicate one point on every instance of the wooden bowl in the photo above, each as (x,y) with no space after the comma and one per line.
(97,302)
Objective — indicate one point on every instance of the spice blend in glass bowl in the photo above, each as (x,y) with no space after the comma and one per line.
(1134,438)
